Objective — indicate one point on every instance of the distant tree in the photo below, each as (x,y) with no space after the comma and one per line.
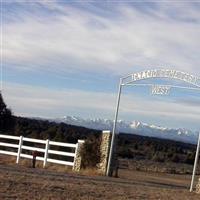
(6,119)
(135,146)
(158,157)
(190,158)
(175,158)
(59,135)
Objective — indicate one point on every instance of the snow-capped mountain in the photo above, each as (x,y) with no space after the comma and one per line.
(135,127)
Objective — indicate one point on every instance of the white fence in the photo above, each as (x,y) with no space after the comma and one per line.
(46,150)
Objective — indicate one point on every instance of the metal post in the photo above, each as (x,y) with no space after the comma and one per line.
(19,149)
(114,128)
(195,164)
(46,153)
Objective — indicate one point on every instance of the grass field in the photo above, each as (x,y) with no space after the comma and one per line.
(21,182)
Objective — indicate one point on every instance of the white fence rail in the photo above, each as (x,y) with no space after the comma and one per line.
(46,150)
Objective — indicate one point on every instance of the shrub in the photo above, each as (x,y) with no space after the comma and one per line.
(175,158)
(90,153)
(158,157)
(190,158)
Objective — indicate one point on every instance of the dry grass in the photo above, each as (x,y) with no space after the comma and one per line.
(90,172)
(21,182)
(58,168)
(11,160)
(25,183)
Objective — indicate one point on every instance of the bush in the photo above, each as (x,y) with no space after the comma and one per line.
(190,158)
(90,153)
(158,157)
(175,158)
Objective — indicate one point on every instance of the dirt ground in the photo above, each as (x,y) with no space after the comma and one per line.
(21,182)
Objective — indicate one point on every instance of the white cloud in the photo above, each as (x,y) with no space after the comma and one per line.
(121,39)
(73,38)
(38,101)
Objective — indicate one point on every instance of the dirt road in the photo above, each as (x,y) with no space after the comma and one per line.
(18,182)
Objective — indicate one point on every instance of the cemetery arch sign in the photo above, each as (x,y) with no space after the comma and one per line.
(156,89)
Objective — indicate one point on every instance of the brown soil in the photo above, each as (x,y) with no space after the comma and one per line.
(21,182)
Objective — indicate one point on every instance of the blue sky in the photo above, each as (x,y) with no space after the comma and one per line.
(66,57)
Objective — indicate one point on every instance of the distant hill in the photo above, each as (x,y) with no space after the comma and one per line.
(132,146)
(43,129)
(155,149)
(134,127)
(129,145)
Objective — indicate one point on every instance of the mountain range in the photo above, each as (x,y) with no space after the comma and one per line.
(134,127)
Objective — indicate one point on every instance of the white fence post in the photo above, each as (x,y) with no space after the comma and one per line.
(19,148)
(46,153)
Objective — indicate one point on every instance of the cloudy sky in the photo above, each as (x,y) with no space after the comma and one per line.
(66,57)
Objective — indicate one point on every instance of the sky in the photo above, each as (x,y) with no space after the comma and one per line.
(61,58)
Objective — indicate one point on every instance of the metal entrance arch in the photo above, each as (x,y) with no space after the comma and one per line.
(131,80)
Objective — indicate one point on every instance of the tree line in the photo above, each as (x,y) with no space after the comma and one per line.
(128,145)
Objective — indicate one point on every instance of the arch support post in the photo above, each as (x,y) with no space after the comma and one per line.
(114,128)
(195,164)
